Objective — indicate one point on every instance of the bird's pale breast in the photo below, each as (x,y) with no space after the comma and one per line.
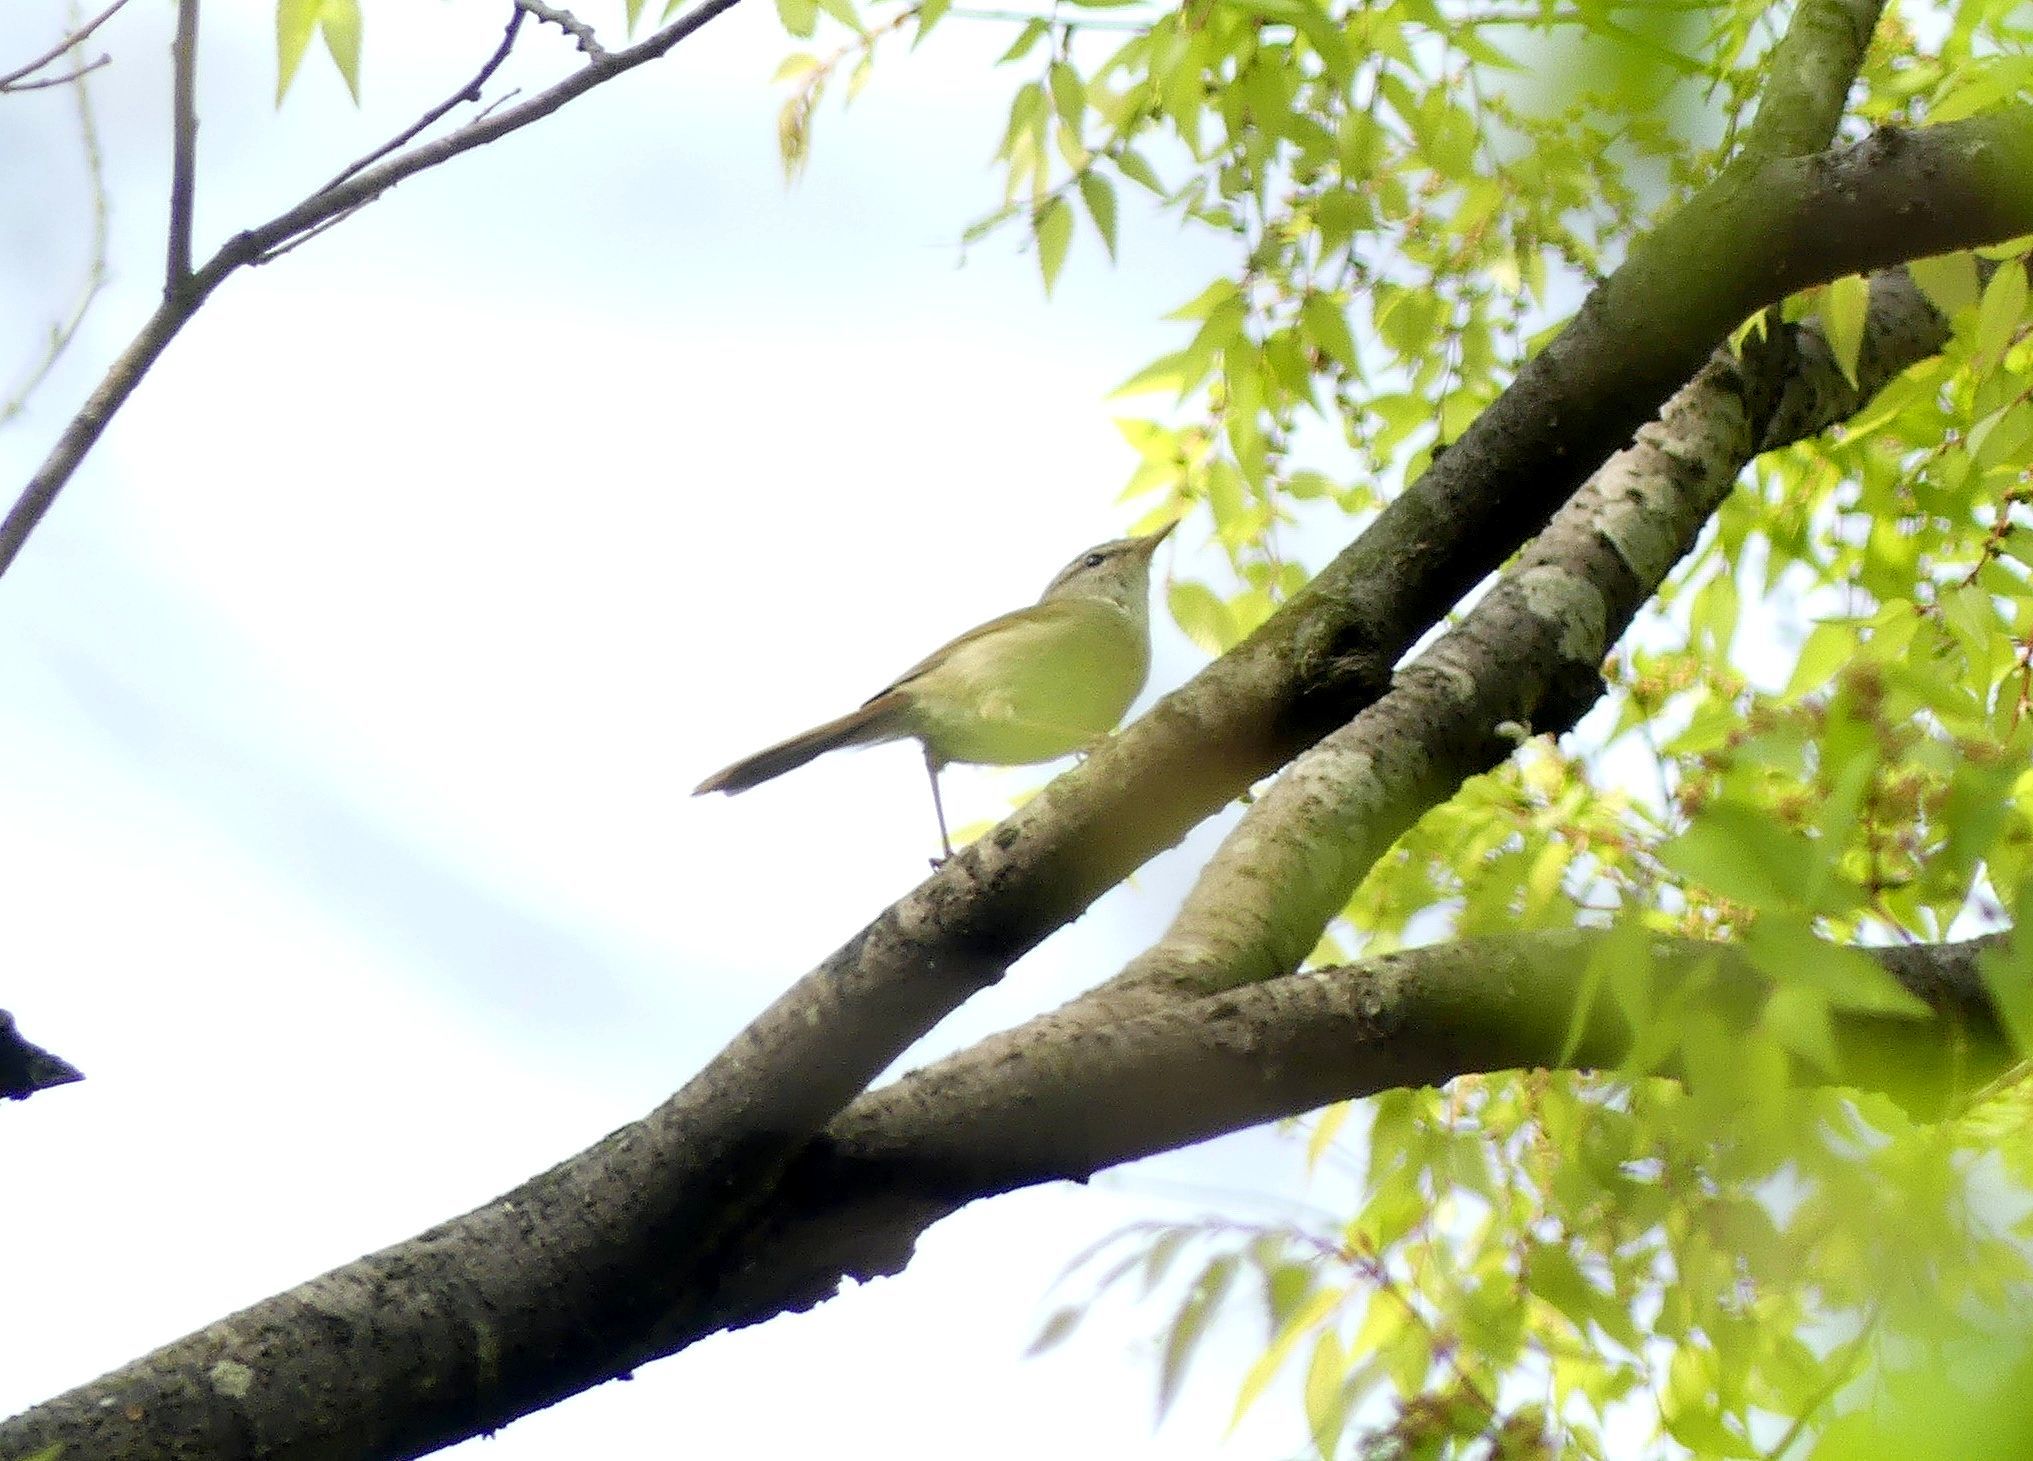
(1033,686)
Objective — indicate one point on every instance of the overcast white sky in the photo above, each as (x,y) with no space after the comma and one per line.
(350,699)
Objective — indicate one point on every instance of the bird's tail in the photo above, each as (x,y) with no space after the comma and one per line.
(875,721)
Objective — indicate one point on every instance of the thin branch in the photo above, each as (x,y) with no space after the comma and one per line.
(498,103)
(567,22)
(469,92)
(7,82)
(320,208)
(1533,17)
(1063,22)
(60,336)
(183,185)
(48,82)
(308,234)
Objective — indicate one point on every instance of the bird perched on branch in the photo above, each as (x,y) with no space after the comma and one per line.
(1031,685)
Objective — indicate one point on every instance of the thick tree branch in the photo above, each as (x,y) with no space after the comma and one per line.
(1789,388)
(1812,69)
(536,1265)
(1422,1017)
(1103,1091)
(1526,656)
(583,1271)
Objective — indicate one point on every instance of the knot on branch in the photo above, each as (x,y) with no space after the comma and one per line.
(580,32)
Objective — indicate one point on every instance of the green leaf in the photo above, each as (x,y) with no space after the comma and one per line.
(2008,974)
(1980,86)
(1312,21)
(1180,371)
(294,22)
(795,65)
(1999,315)
(793,128)
(1030,35)
(1325,1129)
(1053,225)
(1202,616)
(1202,1301)
(1829,647)
(1098,193)
(1056,1329)
(1132,166)
(1948,280)
(844,12)
(342,26)
(1069,96)
(297,20)
(1204,305)
(1326,1403)
(1749,856)
(1327,326)
(930,13)
(1307,1317)
(1624,946)
(1552,1274)
(1843,306)
(799,17)
(1158,1258)
(1026,117)
(1799,1018)
(1702,1432)
(1787,951)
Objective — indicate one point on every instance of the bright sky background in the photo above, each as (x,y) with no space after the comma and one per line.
(351,698)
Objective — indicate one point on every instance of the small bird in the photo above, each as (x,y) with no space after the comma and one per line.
(1029,686)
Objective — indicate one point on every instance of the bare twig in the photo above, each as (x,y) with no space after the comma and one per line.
(183,183)
(308,234)
(567,22)
(498,103)
(60,336)
(65,80)
(315,212)
(1533,17)
(1025,17)
(469,92)
(7,82)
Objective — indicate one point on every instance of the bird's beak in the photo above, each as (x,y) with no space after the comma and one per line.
(1149,542)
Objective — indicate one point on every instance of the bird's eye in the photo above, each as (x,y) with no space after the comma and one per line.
(1093,560)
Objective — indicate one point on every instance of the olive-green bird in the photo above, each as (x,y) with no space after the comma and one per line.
(1028,686)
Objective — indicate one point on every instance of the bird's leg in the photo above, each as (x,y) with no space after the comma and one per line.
(938,808)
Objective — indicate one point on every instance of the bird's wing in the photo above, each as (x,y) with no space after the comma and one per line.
(1043,619)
